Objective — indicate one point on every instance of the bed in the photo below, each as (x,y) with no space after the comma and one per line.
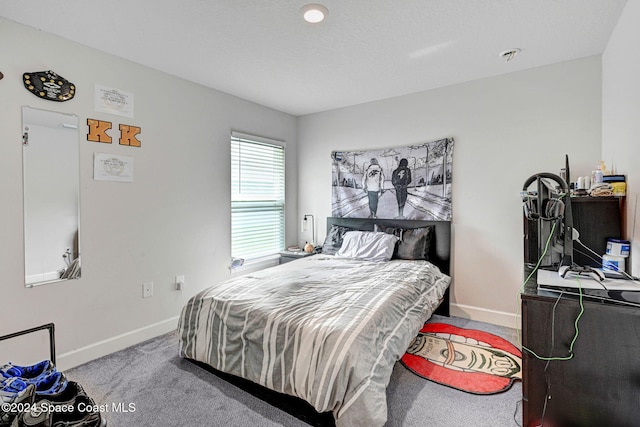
(326,328)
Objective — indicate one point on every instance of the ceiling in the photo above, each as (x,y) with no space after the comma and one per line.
(366,50)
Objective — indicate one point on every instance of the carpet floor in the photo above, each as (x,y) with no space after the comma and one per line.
(150,385)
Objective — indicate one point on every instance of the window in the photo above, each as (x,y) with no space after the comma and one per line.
(257,197)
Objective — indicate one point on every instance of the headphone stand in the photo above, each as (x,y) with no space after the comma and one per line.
(551,209)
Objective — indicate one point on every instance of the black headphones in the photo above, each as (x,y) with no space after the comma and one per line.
(551,209)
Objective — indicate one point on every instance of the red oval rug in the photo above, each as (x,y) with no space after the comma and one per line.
(466,359)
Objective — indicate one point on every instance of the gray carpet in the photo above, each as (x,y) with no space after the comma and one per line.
(150,385)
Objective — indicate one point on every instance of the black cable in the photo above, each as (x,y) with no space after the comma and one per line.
(546,366)
(515,413)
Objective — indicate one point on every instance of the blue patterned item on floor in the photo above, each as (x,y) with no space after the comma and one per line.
(66,396)
(28,394)
(13,385)
(51,384)
(34,371)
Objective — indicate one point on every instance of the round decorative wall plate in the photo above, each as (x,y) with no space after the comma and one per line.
(48,85)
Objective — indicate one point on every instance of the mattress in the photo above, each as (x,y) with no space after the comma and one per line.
(325,329)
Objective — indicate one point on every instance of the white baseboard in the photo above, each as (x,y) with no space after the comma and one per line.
(495,317)
(93,351)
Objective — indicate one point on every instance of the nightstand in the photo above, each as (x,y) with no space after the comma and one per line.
(287,256)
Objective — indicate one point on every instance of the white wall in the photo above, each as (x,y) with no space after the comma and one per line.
(621,114)
(173,220)
(505,129)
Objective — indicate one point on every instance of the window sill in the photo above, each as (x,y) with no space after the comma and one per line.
(256,265)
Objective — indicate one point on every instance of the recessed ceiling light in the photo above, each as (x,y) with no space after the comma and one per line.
(314,13)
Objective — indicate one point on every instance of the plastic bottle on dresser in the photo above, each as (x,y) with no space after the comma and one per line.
(597,178)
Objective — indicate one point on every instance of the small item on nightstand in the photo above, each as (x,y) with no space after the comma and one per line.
(236,262)
(308,248)
(294,248)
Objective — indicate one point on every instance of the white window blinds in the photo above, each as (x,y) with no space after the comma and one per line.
(257,197)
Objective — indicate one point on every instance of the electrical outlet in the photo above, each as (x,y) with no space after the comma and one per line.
(179,283)
(147,289)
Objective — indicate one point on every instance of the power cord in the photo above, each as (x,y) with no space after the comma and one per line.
(575,324)
(553,316)
(533,271)
(547,378)
(518,314)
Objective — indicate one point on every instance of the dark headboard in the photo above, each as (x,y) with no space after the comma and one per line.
(440,252)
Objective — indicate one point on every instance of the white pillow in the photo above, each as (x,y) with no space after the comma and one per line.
(367,245)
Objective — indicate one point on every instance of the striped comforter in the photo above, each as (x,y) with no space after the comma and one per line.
(325,329)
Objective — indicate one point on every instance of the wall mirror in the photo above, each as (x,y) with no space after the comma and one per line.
(51,174)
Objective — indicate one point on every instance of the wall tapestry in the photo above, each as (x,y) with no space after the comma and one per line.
(412,182)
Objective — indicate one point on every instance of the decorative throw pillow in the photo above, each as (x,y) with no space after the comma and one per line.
(333,241)
(414,244)
(367,245)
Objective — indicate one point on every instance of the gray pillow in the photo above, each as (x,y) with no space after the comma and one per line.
(414,243)
(333,241)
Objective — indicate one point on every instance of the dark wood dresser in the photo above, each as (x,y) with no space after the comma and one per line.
(598,386)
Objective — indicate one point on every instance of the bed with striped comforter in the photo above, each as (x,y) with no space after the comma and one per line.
(328,330)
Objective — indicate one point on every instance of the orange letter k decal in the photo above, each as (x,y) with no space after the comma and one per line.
(97,131)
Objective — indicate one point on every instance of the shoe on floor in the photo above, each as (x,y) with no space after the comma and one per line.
(53,383)
(66,396)
(27,372)
(84,414)
(15,396)
(46,384)
(12,385)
